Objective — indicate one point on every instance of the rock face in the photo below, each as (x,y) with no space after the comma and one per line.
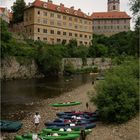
(19,68)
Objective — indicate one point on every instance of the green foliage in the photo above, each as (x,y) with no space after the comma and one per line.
(49,59)
(93,69)
(69,69)
(118,95)
(5,34)
(18,10)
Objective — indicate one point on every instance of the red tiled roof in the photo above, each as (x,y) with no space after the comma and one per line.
(110,15)
(59,8)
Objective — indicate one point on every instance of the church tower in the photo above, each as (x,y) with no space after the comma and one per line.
(113,5)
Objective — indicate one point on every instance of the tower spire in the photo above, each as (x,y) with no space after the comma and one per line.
(113,5)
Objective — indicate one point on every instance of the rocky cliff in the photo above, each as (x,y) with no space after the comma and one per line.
(19,68)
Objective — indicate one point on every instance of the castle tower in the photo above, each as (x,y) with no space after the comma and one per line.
(113,5)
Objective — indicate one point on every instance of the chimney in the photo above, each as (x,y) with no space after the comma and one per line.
(72,8)
(50,1)
(61,5)
(79,10)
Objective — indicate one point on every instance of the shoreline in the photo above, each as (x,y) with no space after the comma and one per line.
(127,131)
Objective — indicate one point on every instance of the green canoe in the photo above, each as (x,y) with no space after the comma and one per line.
(65,104)
(49,136)
(73,131)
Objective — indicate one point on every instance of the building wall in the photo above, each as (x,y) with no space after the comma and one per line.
(54,27)
(5,16)
(110,26)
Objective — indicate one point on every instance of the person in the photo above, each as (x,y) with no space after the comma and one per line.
(87,107)
(36,121)
(82,135)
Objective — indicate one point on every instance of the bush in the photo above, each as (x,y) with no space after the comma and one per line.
(69,69)
(118,96)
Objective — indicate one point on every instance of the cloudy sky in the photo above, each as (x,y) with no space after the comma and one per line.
(87,6)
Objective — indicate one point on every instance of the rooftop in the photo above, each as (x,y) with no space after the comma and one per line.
(110,15)
(59,8)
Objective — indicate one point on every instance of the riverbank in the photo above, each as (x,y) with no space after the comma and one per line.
(127,131)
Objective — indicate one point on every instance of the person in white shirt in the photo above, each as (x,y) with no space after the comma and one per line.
(36,120)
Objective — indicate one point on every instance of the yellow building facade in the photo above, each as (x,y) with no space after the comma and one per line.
(46,21)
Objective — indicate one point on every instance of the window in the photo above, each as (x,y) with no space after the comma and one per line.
(81,35)
(64,33)
(52,22)
(64,23)
(80,20)
(64,41)
(58,32)
(85,43)
(70,34)
(111,27)
(44,38)
(118,27)
(114,7)
(59,23)
(104,27)
(70,18)
(70,24)
(38,12)
(75,19)
(30,30)
(38,38)
(89,37)
(52,31)
(76,35)
(38,20)
(44,30)
(45,13)
(76,26)
(124,20)
(85,36)
(38,29)
(81,42)
(45,21)
(118,21)
(64,17)
(85,22)
(52,14)
(58,40)
(59,16)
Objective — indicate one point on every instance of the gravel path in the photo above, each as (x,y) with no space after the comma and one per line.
(127,131)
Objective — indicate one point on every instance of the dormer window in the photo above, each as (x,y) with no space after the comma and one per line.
(58,8)
(45,5)
(67,10)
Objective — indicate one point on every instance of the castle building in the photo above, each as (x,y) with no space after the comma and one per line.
(111,22)
(46,21)
(5,14)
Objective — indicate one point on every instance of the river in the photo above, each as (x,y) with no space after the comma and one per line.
(20,96)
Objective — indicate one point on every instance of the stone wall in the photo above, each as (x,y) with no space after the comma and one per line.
(19,68)
(78,63)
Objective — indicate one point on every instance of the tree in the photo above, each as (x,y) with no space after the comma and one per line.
(18,10)
(117,96)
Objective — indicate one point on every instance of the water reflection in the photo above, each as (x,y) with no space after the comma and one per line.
(18,95)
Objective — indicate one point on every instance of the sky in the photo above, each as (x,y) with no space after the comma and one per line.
(87,6)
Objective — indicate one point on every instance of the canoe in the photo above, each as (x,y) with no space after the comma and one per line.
(65,123)
(10,126)
(83,118)
(65,104)
(77,113)
(49,136)
(73,126)
(66,131)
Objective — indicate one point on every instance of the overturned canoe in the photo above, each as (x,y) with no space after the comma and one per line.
(10,126)
(65,104)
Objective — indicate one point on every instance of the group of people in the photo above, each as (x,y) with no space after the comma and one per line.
(36,121)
